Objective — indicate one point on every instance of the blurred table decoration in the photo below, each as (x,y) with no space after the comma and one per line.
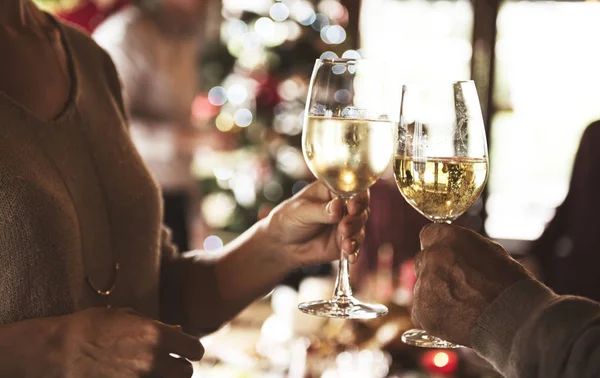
(272,339)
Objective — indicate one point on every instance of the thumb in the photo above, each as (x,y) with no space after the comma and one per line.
(316,191)
(434,233)
(312,212)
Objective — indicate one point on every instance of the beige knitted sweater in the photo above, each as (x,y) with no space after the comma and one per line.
(74,198)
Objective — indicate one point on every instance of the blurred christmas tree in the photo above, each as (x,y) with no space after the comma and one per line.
(256,78)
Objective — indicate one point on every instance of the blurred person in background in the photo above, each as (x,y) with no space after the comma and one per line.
(90,278)
(392,234)
(88,14)
(566,255)
(155,45)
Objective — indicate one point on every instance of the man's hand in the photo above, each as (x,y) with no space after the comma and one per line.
(459,273)
(311,227)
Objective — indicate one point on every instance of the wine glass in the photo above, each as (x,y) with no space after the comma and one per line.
(441,163)
(347,142)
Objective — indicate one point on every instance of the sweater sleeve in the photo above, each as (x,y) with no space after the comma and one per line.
(529,331)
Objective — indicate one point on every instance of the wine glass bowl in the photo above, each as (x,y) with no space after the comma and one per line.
(347,142)
(441,162)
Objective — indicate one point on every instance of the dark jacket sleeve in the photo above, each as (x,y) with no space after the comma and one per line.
(530,332)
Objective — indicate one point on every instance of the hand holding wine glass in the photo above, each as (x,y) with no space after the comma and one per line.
(460,274)
(441,163)
(347,143)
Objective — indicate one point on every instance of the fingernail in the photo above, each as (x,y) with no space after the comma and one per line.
(329,207)
(352,252)
(352,258)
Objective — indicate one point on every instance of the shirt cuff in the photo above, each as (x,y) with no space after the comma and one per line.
(493,334)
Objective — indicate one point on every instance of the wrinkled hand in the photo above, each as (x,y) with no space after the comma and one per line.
(104,342)
(459,273)
(311,228)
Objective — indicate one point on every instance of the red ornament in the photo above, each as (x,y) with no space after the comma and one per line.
(266,93)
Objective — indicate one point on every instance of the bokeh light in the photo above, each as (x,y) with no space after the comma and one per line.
(441,359)
(298,186)
(321,21)
(202,109)
(224,122)
(243,117)
(291,161)
(264,26)
(273,191)
(351,54)
(252,41)
(329,55)
(294,30)
(237,93)
(234,28)
(217,96)
(342,96)
(223,173)
(279,12)
(333,9)
(235,46)
(304,13)
(334,34)
(287,124)
(279,35)
(217,209)
(289,90)
(253,59)
(243,188)
(213,244)
(338,69)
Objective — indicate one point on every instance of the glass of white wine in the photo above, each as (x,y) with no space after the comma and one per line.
(347,142)
(441,163)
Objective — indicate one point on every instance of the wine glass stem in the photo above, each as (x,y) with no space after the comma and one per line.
(342,290)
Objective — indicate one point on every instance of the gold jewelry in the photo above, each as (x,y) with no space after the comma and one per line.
(108,292)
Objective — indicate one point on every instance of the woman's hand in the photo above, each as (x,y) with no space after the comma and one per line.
(301,231)
(103,343)
(311,227)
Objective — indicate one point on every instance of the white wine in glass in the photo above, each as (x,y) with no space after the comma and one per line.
(440,188)
(347,142)
(441,162)
(344,153)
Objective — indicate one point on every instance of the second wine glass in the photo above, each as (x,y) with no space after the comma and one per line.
(441,163)
(347,142)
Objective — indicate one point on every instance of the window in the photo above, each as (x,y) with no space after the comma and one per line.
(419,39)
(547,91)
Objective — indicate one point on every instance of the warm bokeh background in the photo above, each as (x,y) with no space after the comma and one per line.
(536,68)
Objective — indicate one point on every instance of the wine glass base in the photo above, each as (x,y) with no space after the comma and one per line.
(420,338)
(344,308)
